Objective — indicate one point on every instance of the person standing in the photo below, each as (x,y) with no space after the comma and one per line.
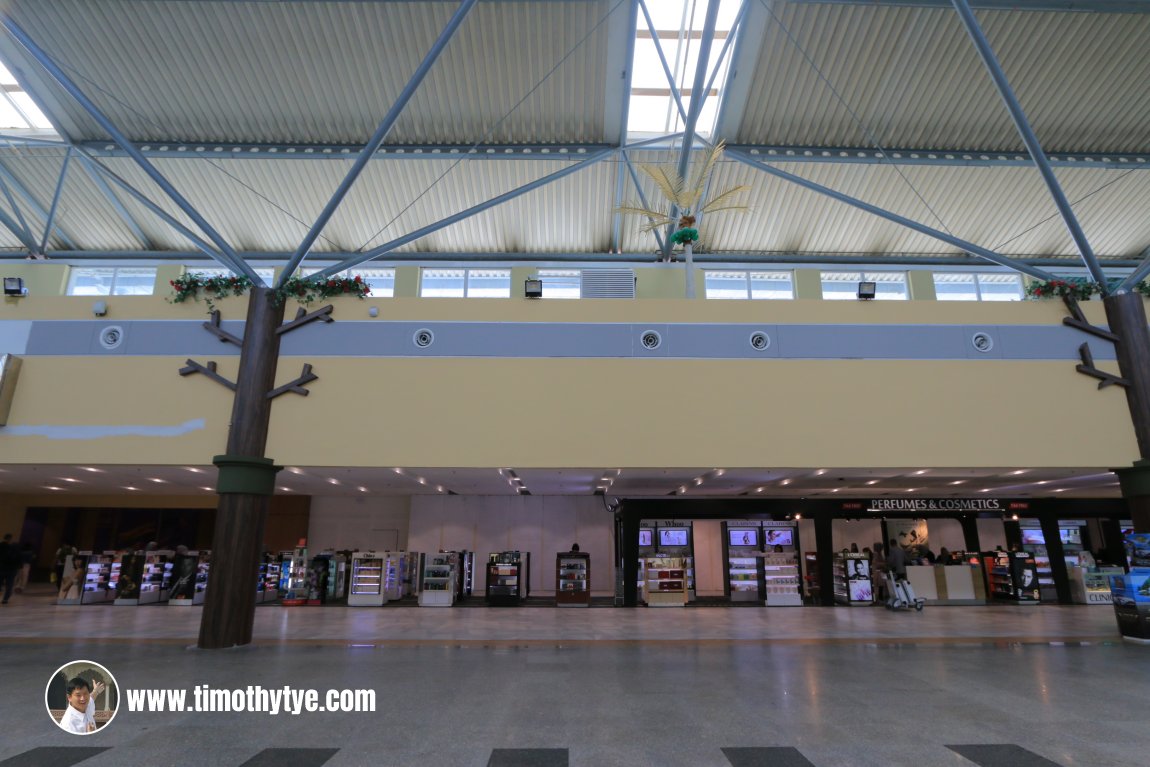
(896,560)
(10,564)
(27,557)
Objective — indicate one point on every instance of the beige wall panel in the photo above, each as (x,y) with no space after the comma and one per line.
(710,568)
(613,412)
(359,523)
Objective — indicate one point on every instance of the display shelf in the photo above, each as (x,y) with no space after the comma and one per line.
(436,583)
(98,586)
(781,581)
(507,575)
(742,578)
(666,582)
(1012,576)
(573,579)
(367,580)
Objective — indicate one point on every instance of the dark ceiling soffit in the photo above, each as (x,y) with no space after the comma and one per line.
(263,258)
(763,152)
(1080,6)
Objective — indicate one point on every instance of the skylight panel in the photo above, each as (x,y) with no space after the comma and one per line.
(679,25)
(17,110)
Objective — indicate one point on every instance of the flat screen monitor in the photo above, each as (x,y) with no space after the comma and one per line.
(645,537)
(1070,535)
(673,536)
(746,536)
(1033,536)
(779,536)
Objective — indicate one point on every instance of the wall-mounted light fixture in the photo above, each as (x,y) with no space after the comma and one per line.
(866,291)
(533,287)
(100,308)
(14,286)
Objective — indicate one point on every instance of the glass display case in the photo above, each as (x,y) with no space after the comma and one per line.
(508,574)
(368,580)
(437,581)
(573,579)
(666,582)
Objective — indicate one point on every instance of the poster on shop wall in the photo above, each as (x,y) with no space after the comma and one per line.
(910,535)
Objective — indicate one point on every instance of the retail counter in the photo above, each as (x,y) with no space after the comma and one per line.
(1091,587)
(948,584)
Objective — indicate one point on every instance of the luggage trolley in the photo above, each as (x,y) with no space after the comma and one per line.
(902,594)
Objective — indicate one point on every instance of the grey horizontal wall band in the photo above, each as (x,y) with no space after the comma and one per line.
(569,340)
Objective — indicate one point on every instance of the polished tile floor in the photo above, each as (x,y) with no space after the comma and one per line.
(995,686)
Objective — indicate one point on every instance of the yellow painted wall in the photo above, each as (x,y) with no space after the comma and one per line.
(600,412)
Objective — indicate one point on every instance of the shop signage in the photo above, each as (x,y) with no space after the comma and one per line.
(933,504)
(779,524)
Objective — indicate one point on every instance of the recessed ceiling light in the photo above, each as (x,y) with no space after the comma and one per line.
(50,487)
(1043,481)
(683,489)
(92,468)
(206,488)
(157,480)
(798,516)
(295,470)
(872,482)
(68,479)
(286,489)
(332,481)
(422,481)
(958,482)
(759,490)
(194,469)
(834,490)
(1060,490)
(1020,471)
(698,481)
(785,482)
(439,488)
(362,489)
(720,472)
(921,471)
(911,489)
(400,471)
(129,487)
(820,472)
(984,490)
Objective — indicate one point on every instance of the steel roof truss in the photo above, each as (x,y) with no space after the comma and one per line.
(1030,139)
(374,253)
(58,74)
(377,138)
(969,247)
(55,200)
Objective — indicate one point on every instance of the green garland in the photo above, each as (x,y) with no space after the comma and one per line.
(302,289)
(1080,288)
(685,235)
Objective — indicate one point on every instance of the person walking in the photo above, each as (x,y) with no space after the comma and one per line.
(896,560)
(27,557)
(10,564)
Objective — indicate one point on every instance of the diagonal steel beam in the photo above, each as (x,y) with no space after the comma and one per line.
(56,200)
(1139,274)
(91,167)
(1031,140)
(361,258)
(642,197)
(617,227)
(698,96)
(5,175)
(969,247)
(22,234)
(239,266)
(663,60)
(377,138)
(94,112)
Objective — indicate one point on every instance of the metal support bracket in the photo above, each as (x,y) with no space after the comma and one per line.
(297,385)
(191,367)
(303,317)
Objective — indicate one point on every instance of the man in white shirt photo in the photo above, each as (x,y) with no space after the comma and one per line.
(80,716)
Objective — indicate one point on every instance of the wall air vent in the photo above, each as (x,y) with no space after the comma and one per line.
(608,283)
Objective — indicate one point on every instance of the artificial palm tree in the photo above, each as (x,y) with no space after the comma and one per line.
(684,196)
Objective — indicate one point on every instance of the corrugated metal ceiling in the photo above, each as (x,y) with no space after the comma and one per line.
(326,72)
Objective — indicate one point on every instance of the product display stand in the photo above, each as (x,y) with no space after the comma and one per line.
(437,588)
(573,579)
(666,582)
(156,583)
(367,580)
(853,584)
(184,585)
(294,581)
(781,580)
(72,580)
(507,577)
(1012,576)
(97,579)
